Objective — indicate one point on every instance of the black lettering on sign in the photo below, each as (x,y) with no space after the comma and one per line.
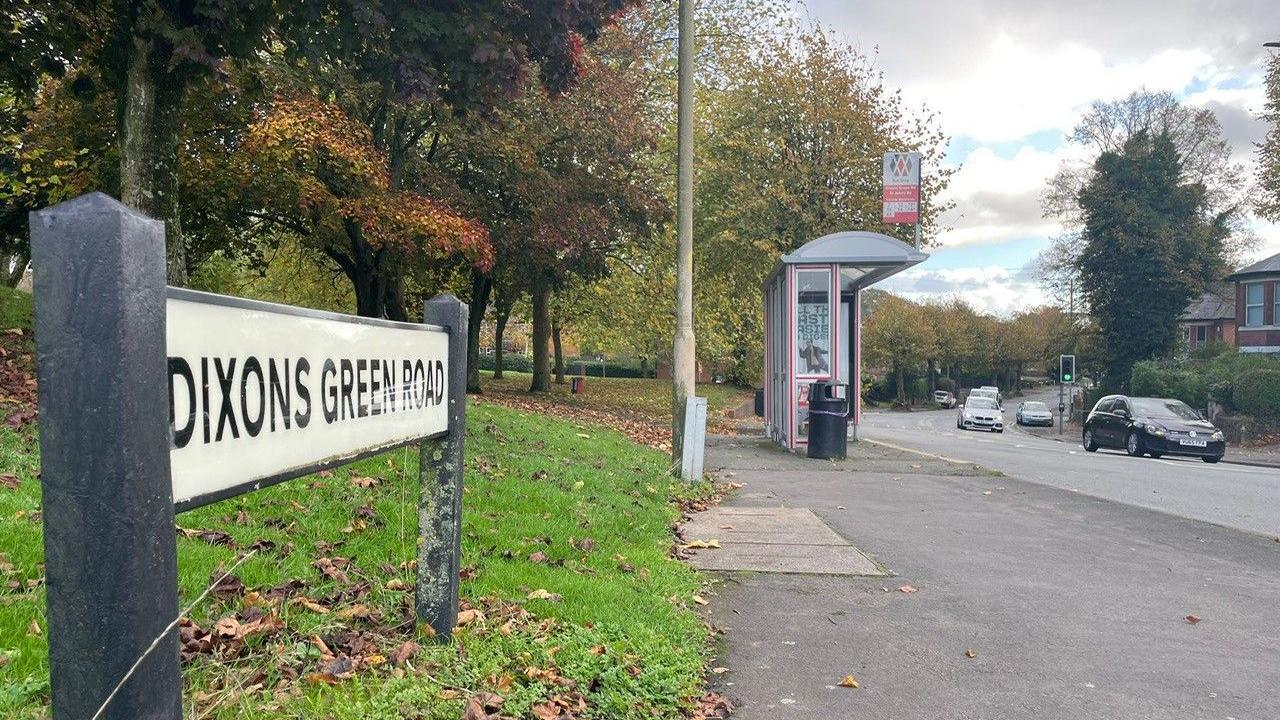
(300,371)
(329,393)
(348,383)
(406,385)
(375,403)
(204,396)
(362,372)
(280,391)
(420,393)
(439,382)
(252,426)
(179,367)
(225,382)
(389,385)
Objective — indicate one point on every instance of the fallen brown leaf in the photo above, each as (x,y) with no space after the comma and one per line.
(970,654)
(1193,619)
(908,589)
(849,682)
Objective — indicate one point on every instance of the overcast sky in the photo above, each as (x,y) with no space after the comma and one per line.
(1010,78)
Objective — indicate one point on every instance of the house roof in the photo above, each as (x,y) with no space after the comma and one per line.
(1266,266)
(1209,306)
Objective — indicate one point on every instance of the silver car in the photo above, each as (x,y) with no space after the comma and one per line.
(1034,412)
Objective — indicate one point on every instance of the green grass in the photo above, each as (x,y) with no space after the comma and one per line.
(533,484)
(15,309)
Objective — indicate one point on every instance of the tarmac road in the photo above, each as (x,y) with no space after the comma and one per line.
(1235,496)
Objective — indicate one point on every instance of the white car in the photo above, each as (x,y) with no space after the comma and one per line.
(986,392)
(980,413)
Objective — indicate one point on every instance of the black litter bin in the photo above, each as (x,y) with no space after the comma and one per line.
(759,405)
(828,420)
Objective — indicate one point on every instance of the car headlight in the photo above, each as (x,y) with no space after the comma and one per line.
(1156,430)
(1217,435)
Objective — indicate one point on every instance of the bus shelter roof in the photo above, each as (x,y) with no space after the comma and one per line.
(878,256)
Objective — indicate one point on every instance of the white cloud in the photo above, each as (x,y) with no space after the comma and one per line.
(998,199)
(993,289)
(1016,88)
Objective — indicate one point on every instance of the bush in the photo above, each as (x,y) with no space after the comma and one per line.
(946,383)
(514,362)
(1154,378)
(1257,392)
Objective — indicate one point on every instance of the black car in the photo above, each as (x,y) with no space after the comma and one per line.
(1152,426)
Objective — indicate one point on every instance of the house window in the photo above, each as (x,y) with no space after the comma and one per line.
(1202,335)
(1275,303)
(1253,305)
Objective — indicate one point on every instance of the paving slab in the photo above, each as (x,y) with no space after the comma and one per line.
(773,540)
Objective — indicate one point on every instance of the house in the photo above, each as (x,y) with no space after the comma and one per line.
(1258,306)
(1210,317)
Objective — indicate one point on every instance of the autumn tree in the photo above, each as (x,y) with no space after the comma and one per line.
(792,149)
(1268,153)
(318,174)
(898,336)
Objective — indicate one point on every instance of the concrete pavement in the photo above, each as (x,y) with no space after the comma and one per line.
(1074,606)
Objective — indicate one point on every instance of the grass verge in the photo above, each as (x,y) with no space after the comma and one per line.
(572,604)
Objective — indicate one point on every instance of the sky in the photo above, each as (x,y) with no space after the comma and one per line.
(1010,79)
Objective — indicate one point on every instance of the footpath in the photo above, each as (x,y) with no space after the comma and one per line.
(942,590)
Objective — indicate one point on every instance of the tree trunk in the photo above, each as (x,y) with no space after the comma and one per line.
(150,129)
(393,297)
(370,297)
(499,327)
(541,337)
(559,348)
(902,386)
(933,382)
(481,285)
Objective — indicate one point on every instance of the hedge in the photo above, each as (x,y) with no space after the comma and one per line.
(1257,392)
(1152,378)
(518,362)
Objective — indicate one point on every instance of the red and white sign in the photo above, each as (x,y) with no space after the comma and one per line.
(902,188)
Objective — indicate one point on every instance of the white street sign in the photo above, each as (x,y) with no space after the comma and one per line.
(261,393)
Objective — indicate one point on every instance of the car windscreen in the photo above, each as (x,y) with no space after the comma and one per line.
(1155,408)
(981,403)
(1034,406)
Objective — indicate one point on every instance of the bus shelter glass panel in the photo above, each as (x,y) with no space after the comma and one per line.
(812,332)
(813,322)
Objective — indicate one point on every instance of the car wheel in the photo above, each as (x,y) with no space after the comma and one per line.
(1089,444)
(1133,445)
(1212,459)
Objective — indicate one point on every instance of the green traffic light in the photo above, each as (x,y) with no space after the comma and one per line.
(1067,377)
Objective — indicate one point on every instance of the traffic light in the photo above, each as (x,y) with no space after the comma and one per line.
(1067,368)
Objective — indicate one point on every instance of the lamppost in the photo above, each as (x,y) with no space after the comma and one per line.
(683,368)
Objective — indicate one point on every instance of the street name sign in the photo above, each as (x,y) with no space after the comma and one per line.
(902,188)
(260,393)
(155,400)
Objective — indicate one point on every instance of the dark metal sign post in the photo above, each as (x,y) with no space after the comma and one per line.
(256,394)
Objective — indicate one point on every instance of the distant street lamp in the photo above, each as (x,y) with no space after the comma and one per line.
(1271,44)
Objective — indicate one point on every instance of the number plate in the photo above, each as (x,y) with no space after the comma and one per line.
(1193,443)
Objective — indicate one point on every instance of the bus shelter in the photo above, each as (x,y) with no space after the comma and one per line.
(813,323)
